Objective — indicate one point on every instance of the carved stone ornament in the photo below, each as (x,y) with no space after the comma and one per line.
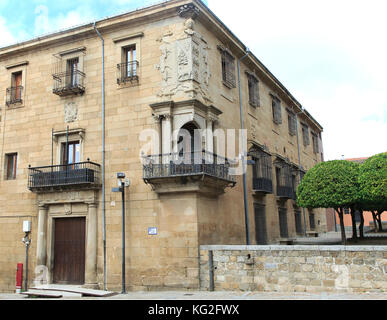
(71,112)
(67,209)
(184,65)
(188,11)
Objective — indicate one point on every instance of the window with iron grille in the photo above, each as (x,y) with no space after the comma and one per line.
(283,223)
(15,92)
(128,68)
(262,170)
(297,215)
(11,164)
(260,224)
(305,135)
(253,90)
(283,172)
(276,108)
(228,69)
(315,143)
(312,222)
(292,123)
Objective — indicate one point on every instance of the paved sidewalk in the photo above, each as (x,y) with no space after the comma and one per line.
(196,295)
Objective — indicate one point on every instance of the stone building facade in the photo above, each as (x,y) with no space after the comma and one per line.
(165,68)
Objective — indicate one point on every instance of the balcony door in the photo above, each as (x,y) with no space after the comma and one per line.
(186,143)
(130,60)
(71,153)
(17,84)
(72,72)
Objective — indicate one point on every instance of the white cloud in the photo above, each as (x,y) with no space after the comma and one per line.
(331,55)
(44,23)
(6,36)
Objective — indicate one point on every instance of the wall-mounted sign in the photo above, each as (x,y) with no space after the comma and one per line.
(152,231)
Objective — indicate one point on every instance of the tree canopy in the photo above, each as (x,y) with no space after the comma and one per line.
(330,184)
(373,183)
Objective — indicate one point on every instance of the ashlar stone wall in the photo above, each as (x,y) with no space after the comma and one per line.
(333,269)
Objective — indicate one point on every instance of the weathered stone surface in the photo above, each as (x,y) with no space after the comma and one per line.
(315,271)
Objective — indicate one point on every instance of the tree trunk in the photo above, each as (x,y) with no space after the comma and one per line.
(354,231)
(361,226)
(341,217)
(375,221)
(379,218)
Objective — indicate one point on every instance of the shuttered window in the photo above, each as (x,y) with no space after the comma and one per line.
(11,163)
(228,69)
(283,223)
(315,143)
(312,222)
(260,224)
(253,90)
(276,108)
(305,135)
(292,123)
(297,214)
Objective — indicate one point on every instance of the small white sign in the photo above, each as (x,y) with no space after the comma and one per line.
(152,231)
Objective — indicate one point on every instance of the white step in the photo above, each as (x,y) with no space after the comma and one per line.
(75,289)
(50,294)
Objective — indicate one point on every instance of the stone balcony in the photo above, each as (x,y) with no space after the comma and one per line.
(201,172)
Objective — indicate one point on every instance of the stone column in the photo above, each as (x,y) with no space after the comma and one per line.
(41,250)
(91,247)
(167,134)
(210,139)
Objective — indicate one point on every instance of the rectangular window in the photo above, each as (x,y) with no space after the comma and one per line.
(228,69)
(276,108)
(283,221)
(130,60)
(278,176)
(297,214)
(73,72)
(253,90)
(71,152)
(11,164)
(260,224)
(17,84)
(312,222)
(305,135)
(315,143)
(14,93)
(292,123)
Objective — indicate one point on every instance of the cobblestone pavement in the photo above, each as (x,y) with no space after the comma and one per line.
(196,295)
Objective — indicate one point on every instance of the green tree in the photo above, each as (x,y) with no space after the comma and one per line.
(373,186)
(332,184)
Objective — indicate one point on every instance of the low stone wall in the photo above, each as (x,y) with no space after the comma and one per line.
(295,268)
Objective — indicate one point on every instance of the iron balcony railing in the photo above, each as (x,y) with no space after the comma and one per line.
(14,95)
(127,72)
(59,176)
(187,164)
(285,192)
(263,185)
(69,83)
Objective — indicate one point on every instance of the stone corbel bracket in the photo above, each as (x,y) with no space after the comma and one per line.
(189,11)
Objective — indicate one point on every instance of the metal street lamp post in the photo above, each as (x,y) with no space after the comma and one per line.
(122,182)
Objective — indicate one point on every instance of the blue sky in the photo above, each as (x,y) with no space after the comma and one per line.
(330,54)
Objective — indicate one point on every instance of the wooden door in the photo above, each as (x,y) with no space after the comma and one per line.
(69,251)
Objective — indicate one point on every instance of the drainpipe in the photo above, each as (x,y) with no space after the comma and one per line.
(103,158)
(243,156)
(299,162)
